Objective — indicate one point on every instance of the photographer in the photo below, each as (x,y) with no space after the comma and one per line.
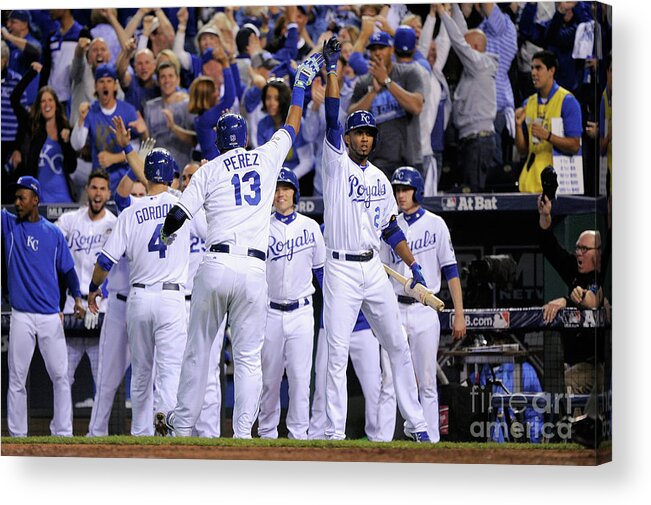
(583,274)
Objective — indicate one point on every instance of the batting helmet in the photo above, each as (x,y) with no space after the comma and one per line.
(231,131)
(409,176)
(288,176)
(363,119)
(160,166)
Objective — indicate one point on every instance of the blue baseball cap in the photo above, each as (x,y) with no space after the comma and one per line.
(206,56)
(20,15)
(105,70)
(28,182)
(405,39)
(380,39)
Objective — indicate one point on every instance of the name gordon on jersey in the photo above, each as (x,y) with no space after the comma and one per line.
(153,212)
(361,193)
(286,248)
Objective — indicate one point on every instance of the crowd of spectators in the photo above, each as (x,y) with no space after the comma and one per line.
(452,87)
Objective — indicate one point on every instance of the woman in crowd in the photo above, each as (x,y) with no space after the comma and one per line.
(45,140)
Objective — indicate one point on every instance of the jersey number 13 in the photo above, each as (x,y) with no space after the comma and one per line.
(249,183)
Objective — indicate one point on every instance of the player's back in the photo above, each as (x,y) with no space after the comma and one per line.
(236,190)
(150,260)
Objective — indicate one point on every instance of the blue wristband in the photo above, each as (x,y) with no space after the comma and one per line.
(131,174)
(298,96)
(128,149)
(92,287)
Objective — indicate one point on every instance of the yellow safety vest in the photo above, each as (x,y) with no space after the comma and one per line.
(543,150)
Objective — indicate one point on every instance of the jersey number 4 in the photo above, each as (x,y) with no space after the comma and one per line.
(156,244)
(253,179)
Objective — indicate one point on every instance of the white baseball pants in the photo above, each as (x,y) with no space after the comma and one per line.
(365,355)
(347,286)
(288,344)
(113,361)
(237,285)
(24,330)
(423,331)
(157,331)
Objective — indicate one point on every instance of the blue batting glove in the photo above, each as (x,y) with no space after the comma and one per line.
(417,276)
(331,52)
(307,70)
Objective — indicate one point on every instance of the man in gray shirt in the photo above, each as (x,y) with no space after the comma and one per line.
(475,104)
(394,93)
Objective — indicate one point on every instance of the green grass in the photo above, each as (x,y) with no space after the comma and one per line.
(257,443)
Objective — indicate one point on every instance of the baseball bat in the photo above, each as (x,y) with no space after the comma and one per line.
(427,296)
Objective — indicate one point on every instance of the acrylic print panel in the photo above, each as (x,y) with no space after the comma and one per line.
(529,383)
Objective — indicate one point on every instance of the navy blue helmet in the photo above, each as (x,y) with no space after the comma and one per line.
(363,119)
(409,176)
(231,131)
(160,166)
(288,176)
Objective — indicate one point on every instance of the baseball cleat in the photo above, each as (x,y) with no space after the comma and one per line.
(418,436)
(161,428)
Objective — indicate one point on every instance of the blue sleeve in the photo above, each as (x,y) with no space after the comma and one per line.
(358,63)
(393,234)
(334,136)
(333,128)
(450,271)
(252,98)
(230,90)
(73,282)
(239,87)
(121,202)
(571,114)
(104,262)
(64,261)
(528,28)
(291,131)
(318,273)
(290,50)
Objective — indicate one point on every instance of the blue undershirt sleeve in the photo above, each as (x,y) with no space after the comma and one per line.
(318,273)
(73,283)
(450,271)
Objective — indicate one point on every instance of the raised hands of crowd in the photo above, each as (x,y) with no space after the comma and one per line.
(121,132)
(84,109)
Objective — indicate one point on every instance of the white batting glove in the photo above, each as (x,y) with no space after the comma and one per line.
(91,320)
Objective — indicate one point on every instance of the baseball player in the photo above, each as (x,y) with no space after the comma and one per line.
(236,190)
(86,231)
(359,210)
(36,253)
(429,240)
(157,273)
(296,251)
(208,424)
(114,357)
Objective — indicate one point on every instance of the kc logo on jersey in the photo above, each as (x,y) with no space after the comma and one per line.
(32,243)
(285,249)
(367,194)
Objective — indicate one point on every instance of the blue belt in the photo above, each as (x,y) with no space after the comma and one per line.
(367,256)
(287,307)
(407,299)
(225,248)
(167,286)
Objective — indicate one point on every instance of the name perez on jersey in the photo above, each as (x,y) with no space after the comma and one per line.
(241,160)
(367,194)
(85,243)
(154,212)
(285,249)
(422,244)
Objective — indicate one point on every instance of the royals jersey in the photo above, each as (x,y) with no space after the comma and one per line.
(296,247)
(236,189)
(358,202)
(137,233)
(198,230)
(35,254)
(429,240)
(85,238)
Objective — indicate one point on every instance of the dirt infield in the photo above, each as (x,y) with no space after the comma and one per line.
(525,456)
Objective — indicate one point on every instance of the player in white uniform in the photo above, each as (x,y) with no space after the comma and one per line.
(36,254)
(359,209)
(209,423)
(86,231)
(429,239)
(296,252)
(236,190)
(157,273)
